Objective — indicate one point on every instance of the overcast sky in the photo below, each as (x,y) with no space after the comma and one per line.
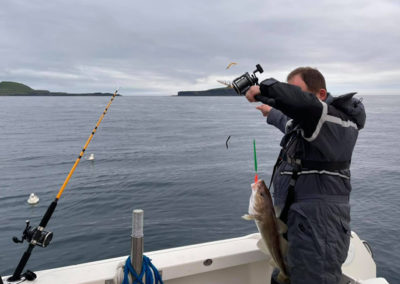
(158,47)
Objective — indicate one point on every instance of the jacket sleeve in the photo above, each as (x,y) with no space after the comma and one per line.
(304,108)
(277,119)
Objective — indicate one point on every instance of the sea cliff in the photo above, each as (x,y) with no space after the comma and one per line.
(210,92)
(17,89)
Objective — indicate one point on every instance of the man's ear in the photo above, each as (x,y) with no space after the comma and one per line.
(322,94)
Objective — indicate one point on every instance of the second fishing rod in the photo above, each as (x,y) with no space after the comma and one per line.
(37,236)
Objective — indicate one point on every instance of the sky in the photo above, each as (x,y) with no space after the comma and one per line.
(160,47)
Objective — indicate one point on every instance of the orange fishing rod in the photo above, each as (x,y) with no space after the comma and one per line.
(38,236)
(60,192)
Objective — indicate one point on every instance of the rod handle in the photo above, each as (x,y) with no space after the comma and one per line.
(48,214)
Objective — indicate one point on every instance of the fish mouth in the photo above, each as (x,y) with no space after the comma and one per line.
(256,184)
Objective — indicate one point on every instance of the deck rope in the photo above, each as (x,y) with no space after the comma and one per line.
(149,271)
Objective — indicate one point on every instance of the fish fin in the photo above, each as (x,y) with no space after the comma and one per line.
(272,262)
(283,245)
(249,217)
(277,210)
(283,278)
(282,227)
(262,247)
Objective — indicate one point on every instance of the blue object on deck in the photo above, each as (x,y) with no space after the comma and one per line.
(148,270)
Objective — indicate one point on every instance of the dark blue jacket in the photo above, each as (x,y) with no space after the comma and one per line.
(323,132)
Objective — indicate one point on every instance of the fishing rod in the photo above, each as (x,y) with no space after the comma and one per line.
(38,236)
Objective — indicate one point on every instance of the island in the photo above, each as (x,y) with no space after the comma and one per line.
(211,92)
(8,88)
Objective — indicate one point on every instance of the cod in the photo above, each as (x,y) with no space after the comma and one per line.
(262,211)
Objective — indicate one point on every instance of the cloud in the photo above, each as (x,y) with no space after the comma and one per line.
(40,74)
(161,47)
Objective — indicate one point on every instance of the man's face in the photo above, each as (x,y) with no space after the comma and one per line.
(298,81)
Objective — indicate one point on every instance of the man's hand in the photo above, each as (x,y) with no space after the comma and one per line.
(265,109)
(252,92)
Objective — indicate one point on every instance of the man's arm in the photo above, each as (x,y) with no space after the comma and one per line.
(303,107)
(277,119)
(274,116)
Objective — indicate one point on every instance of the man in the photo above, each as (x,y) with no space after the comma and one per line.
(312,177)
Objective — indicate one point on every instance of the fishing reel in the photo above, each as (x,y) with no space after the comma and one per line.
(36,236)
(244,82)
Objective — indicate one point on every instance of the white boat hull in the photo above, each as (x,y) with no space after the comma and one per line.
(236,260)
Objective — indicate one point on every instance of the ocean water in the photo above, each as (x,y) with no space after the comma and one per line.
(167,156)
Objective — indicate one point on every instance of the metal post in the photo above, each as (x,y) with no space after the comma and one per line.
(137,240)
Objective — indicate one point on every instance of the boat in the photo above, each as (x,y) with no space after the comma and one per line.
(234,260)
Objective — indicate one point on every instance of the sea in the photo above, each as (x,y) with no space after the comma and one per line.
(171,157)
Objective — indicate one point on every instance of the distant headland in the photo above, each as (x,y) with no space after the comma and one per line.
(211,92)
(17,89)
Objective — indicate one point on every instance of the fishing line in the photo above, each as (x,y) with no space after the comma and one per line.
(255,161)
(38,236)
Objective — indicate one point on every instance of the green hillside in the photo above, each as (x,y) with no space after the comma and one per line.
(11,88)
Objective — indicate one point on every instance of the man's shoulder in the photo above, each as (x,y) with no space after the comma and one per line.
(348,107)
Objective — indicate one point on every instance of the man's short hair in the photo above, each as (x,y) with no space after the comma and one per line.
(311,76)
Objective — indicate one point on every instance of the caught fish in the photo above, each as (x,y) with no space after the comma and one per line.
(271,228)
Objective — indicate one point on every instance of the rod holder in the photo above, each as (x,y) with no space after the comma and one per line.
(137,240)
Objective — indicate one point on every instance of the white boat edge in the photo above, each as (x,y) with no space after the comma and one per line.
(235,260)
